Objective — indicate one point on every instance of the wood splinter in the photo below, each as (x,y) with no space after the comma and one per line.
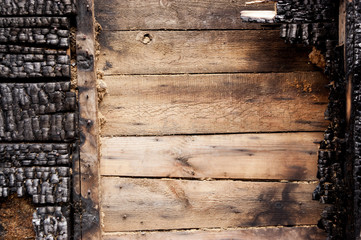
(258,16)
(259,2)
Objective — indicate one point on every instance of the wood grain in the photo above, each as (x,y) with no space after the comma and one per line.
(279,233)
(174,14)
(150,204)
(290,156)
(222,103)
(88,191)
(160,52)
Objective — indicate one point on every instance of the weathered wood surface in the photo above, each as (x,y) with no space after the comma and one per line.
(174,14)
(155,52)
(189,104)
(150,204)
(279,233)
(88,189)
(290,156)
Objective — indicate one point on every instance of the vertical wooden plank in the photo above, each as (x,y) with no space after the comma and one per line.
(88,122)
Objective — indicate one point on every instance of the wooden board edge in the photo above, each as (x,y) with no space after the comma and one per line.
(88,191)
(279,232)
(183,161)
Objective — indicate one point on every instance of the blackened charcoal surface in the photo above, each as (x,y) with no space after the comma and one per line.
(35,36)
(315,23)
(27,22)
(46,185)
(19,49)
(37,98)
(34,65)
(27,126)
(37,7)
(291,11)
(25,155)
(52,222)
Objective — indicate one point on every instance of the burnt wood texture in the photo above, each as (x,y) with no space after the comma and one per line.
(38,115)
(332,27)
(316,23)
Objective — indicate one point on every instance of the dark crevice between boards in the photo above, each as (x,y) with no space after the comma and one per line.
(331,28)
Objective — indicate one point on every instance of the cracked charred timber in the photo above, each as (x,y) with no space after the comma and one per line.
(38,118)
(333,27)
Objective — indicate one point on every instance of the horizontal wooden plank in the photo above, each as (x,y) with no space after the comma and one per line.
(279,233)
(154,52)
(291,156)
(149,204)
(174,14)
(222,103)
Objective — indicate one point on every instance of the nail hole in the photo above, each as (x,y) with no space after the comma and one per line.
(147,38)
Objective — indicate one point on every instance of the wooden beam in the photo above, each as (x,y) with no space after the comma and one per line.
(214,103)
(159,204)
(88,191)
(279,233)
(176,14)
(285,156)
(161,52)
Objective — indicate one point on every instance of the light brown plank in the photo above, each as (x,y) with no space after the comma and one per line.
(279,233)
(174,14)
(223,103)
(287,156)
(87,194)
(155,52)
(150,204)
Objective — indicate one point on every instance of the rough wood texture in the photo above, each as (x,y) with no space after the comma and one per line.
(19,49)
(34,65)
(149,204)
(279,233)
(52,222)
(17,22)
(174,14)
(36,154)
(37,7)
(46,185)
(88,190)
(189,104)
(37,112)
(50,37)
(154,52)
(37,97)
(289,156)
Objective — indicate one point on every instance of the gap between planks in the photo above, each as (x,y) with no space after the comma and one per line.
(209,134)
(216,179)
(207,73)
(270,26)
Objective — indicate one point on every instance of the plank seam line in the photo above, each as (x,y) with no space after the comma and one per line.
(109,233)
(206,73)
(196,30)
(211,134)
(293,181)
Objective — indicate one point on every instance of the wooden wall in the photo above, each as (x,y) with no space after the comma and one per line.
(211,124)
